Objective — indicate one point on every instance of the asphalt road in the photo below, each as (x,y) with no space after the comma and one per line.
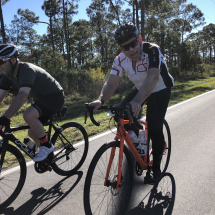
(188,188)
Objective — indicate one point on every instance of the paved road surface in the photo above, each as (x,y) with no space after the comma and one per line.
(188,188)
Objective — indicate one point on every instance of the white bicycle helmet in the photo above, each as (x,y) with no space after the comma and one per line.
(7,51)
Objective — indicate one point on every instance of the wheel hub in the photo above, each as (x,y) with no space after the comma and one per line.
(113,185)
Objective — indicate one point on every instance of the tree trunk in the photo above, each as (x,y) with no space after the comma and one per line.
(68,40)
(73,63)
(137,18)
(102,47)
(2,25)
(203,55)
(115,11)
(142,19)
(210,53)
(133,13)
(65,31)
(214,54)
(53,47)
(106,51)
(80,51)
(162,43)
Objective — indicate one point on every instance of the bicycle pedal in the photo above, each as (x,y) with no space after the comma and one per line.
(139,171)
(40,168)
(49,168)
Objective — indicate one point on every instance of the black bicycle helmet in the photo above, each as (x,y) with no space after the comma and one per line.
(7,51)
(125,32)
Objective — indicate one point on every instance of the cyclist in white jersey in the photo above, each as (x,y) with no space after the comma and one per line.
(144,65)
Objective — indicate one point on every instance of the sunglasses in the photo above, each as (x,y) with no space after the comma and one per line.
(132,44)
(3,61)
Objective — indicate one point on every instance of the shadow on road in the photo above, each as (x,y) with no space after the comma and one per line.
(160,200)
(47,198)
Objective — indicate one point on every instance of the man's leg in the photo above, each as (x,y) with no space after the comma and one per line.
(34,137)
(156,110)
(129,97)
(31,116)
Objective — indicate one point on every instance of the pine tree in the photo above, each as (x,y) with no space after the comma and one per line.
(2,2)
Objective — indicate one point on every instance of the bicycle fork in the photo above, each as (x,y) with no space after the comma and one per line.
(119,164)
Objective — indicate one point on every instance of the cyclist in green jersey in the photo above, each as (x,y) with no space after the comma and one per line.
(29,80)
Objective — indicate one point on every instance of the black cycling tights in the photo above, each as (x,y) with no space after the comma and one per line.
(157,104)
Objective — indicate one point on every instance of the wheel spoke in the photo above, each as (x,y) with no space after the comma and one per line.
(72,134)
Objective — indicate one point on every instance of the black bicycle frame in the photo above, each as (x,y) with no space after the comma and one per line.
(7,135)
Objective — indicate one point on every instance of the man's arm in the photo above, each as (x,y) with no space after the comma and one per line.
(107,91)
(109,87)
(148,85)
(17,102)
(3,93)
(146,89)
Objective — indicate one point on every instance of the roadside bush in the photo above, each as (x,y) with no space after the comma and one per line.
(81,82)
(175,71)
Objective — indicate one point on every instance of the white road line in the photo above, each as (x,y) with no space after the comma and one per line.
(188,100)
(106,133)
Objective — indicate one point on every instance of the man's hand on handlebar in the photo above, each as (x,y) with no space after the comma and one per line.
(96,104)
(4,121)
(136,107)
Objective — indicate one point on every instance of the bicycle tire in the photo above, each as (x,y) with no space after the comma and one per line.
(76,135)
(9,192)
(94,183)
(166,154)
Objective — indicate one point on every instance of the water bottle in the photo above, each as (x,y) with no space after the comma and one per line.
(30,144)
(142,138)
(133,136)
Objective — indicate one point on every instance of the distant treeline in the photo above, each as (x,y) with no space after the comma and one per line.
(80,54)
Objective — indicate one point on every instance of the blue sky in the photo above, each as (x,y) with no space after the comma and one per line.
(10,9)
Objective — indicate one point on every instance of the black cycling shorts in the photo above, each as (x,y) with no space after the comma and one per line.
(49,107)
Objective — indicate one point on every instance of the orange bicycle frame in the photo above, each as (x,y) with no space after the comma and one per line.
(122,135)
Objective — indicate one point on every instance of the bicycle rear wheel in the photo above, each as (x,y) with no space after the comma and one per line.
(72,142)
(167,150)
(100,199)
(12,177)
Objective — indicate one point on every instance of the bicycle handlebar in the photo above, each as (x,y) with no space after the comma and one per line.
(127,108)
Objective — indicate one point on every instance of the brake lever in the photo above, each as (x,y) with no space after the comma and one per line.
(90,110)
(86,109)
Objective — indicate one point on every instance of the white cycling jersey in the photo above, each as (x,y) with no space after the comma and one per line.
(151,57)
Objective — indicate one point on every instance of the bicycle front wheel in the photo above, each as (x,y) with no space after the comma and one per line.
(100,199)
(12,177)
(72,142)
